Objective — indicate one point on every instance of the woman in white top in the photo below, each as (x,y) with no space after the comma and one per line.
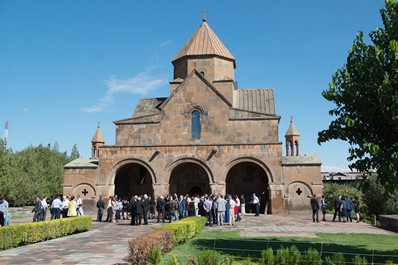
(231,208)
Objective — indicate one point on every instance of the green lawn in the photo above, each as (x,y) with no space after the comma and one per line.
(231,244)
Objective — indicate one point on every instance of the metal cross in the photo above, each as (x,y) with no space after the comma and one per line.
(85,192)
(204,11)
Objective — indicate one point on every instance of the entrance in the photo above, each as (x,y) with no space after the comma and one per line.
(189,178)
(247,178)
(133,179)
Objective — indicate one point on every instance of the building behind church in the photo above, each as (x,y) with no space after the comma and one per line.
(207,137)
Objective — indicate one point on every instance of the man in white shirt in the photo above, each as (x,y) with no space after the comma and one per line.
(56,207)
(256,203)
(196,202)
(65,206)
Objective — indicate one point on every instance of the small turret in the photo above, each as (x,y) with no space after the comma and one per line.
(292,138)
(96,142)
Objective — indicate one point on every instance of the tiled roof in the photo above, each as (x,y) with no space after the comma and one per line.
(301,160)
(148,106)
(292,131)
(98,138)
(82,163)
(204,42)
(258,100)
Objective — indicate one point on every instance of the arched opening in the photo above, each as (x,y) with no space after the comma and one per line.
(133,179)
(189,178)
(247,178)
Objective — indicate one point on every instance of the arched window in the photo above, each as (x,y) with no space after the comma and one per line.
(195,124)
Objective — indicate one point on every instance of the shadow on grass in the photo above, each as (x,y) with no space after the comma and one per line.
(243,248)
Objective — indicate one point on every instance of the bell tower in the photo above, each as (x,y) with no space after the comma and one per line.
(96,142)
(292,138)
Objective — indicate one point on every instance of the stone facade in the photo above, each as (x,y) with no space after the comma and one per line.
(208,136)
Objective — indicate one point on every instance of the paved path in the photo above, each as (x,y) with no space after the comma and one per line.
(106,243)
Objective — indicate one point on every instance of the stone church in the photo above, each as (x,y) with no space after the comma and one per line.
(208,136)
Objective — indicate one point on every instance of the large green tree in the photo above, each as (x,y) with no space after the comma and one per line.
(365,92)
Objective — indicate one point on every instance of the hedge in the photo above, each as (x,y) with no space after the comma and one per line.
(25,234)
(185,229)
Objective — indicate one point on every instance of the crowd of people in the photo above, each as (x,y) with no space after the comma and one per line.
(67,206)
(343,208)
(218,209)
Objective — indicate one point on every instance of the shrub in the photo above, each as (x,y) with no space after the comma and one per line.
(357,260)
(312,257)
(185,229)
(25,234)
(209,257)
(336,259)
(173,261)
(282,256)
(267,257)
(155,256)
(140,248)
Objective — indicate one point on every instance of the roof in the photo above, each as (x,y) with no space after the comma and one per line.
(301,160)
(292,131)
(98,138)
(204,42)
(148,106)
(258,100)
(82,163)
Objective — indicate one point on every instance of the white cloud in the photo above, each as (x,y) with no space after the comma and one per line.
(140,84)
(25,110)
(167,42)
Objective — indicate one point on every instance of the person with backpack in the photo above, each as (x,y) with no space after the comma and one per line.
(350,207)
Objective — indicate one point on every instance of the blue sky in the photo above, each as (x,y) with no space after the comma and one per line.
(67,65)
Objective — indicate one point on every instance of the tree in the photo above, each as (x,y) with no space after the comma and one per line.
(365,92)
(74,153)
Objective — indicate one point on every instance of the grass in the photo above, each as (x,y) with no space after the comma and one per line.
(232,244)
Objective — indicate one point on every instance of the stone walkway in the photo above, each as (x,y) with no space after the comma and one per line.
(106,243)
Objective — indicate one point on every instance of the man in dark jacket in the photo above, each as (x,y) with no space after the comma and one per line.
(133,210)
(101,207)
(145,208)
(37,210)
(161,207)
(315,208)
(337,206)
(140,211)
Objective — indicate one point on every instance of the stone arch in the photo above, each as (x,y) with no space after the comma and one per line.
(189,175)
(85,190)
(298,193)
(247,176)
(131,177)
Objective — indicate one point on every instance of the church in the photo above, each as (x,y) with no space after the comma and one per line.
(207,137)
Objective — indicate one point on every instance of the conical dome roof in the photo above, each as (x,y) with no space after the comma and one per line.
(98,138)
(204,42)
(292,131)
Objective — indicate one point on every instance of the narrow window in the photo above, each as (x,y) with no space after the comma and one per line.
(195,124)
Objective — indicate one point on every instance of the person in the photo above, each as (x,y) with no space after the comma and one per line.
(79,205)
(56,208)
(151,207)
(315,208)
(192,207)
(133,210)
(119,208)
(350,207)
(263,202)
(38,210)
(4,212)
(242,205)
(182,207)
(196,201)
(161,207)
(343,209)
(256,203)
(214,210)
(101,207)
(72,208)
(65,205)
(208,205)
(145,208)
(337,206)
(45,206)
(140,211)
(201,211)
(237,207)
(357,208)
(109,210)
(125,208)
(113,203)
(173,206)
(220,209)
(231,212)
(323,205)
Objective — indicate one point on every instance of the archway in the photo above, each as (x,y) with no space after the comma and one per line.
(247,178)
(189,178)
(133,179)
